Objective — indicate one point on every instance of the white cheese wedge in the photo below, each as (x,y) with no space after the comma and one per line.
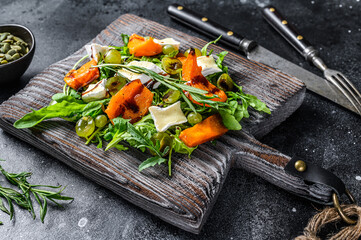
(164,118)
(95,51)
(95,92)
(168,41)
(208,65)
(142,77)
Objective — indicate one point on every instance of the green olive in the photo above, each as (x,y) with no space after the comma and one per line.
(194,118)
(114,84)
(85,126)
(168,49)
(113,56)
(225,82)
(171,65)
(164,139)
(171,96)
(101,121)
(197,51)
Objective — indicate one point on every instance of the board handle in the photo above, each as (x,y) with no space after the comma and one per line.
(269,163)
(211,28)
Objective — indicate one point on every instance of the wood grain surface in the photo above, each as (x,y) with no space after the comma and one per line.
(185,199)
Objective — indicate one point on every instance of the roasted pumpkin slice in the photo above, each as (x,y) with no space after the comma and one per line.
(140,46)
(131,102)
(207,130)
(192,74)
(82,76)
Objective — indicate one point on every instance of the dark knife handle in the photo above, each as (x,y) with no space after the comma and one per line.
(298,41)
(201,23)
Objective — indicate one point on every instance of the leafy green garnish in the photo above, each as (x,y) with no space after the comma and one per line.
(23,198)
(204,49)
(230,121)
(151,162)
(220,60)
(67,106)
(62,109)
(179,146)
(125,49)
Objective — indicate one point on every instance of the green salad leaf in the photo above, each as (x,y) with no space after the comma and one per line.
(230,121)
(151,162)
(220,60)
(204,49)
(62,109)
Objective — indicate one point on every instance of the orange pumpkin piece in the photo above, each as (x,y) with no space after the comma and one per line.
(140,46)
(182,59)
(131,102)
(82,76)
(207,130)
(192,73)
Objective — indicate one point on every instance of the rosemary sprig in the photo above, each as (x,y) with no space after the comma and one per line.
(23,198)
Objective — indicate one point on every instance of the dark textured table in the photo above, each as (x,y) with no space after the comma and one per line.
(248,207)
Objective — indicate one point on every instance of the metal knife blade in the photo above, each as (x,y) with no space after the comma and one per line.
(255,52)
(313,82)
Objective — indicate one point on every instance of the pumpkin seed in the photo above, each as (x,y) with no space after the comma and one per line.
(3,62)
(2,55)
(16,48)
(6,48)
(8,57)
(4,35)
(11,52)
(15,56)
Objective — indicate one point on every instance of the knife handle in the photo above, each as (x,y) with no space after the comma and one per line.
(203,24)
(278,22)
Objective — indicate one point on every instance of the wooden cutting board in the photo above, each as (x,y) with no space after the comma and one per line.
(185,199)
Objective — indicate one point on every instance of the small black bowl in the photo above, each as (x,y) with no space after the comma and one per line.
(12,71)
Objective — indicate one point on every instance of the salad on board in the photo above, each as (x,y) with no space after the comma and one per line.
(148,95)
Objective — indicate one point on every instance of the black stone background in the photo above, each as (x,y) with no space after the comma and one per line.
(248,207)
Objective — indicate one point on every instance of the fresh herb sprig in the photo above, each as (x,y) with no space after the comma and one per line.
(172,83)
(23,197)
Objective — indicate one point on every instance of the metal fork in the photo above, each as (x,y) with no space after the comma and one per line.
(336,78)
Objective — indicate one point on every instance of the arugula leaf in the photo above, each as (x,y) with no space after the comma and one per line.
(125,39)
(220,59)
(125,49)
(94,108)
(251,100)
(141,140)
(116,132)
(204,49)
(120,147)
(179,147)
(104,73)
(230,121)
(62,109)
(59,97)
(257,104)
(214,77)
(150,162)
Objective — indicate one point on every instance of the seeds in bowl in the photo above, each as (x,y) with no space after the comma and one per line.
(11,48)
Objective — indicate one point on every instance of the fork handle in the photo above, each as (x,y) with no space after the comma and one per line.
(278,22)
